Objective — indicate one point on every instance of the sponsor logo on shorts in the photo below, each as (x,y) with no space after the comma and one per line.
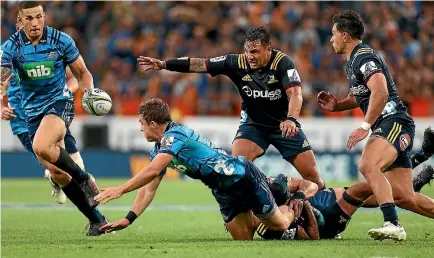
(239,134)
(404,141)
(265,208)
(378,130)
(305,144)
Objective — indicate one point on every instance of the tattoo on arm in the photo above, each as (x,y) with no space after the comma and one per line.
(5,72)
(198,65)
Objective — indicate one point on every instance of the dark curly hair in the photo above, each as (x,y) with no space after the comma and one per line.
(156,110)
(260,33)
(350,22)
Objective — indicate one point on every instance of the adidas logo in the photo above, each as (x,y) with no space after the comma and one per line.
(247,78)
(378,130)
(305,144)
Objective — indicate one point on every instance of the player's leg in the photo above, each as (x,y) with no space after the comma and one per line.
(298,152)
(427,149)
(242,226)
(249,142)
(400,180)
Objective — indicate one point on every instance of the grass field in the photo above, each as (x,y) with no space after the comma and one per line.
(184,222)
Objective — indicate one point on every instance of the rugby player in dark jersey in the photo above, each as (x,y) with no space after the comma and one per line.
(270,88)
(388,148)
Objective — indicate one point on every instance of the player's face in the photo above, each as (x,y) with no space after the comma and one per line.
(33,20)
(337,40)
(148,130)
(257,54)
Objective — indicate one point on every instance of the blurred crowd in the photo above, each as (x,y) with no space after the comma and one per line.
(111,35)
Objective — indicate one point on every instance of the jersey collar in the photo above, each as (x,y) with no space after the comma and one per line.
(357,47)
(273,55)
(27,41)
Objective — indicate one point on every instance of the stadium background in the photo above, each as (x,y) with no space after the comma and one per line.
(110,35)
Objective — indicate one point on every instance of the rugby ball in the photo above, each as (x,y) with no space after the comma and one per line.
(96,102)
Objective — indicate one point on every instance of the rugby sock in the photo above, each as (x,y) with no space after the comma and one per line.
(67,164)
(389,212)
(419,158)
(76,195)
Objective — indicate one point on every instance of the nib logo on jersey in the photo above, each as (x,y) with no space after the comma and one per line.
(39,70)
(272,95)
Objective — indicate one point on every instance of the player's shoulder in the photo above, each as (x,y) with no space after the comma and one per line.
(361,53)
(281,61)
(57,37)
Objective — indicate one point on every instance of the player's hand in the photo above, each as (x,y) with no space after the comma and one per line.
(115,226)
(289,128)
(327,101)
(355,137)
(108,194)
(4,83)
(8,113)
(149,63)
(297,206)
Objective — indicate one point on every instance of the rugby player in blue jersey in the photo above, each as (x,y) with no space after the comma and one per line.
(237,184)
(14,113)
(39,55)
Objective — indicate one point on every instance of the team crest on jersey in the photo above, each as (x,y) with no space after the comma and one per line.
(404,141)
(52,55)
(167,141)
(271,80)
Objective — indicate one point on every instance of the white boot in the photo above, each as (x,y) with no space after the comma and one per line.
(57,193)
(388,231)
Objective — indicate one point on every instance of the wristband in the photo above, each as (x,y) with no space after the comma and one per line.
(298,196)
(365,126)
(293,119)
(178,65)
(131,217)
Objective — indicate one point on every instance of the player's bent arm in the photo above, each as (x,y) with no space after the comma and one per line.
(295,102)
(148,173)
(145,196)
(82,74)
(71,81)
(378,99)
(347,104)
(308,188)
(312,229)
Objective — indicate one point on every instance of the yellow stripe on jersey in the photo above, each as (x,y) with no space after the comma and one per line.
(242,61)
(363,51)
(393,134)
(261,229)
(277,58)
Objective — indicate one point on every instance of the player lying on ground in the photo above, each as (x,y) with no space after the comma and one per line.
(15,114)
(40,54)
(331,213)
(236,183)
(388,148)
(270,88)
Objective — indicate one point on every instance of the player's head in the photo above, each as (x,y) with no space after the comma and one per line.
(154,114)
(257,47)
(32,18)
(347,28)
(19,24)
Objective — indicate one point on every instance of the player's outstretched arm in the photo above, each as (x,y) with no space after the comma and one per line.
(144,197)
(82,74)
(183,64)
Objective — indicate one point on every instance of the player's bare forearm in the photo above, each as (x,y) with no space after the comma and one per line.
(71,81)
(144,177)
(348,103)
(145,196)
(378,99)
(82,74)
(295,101)
(197,65)
(312,224)
(301,185)
(5,72)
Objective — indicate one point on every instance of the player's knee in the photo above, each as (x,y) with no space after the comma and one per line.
(44,150)
(366,168)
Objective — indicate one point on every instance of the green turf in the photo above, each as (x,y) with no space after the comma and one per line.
(60,233)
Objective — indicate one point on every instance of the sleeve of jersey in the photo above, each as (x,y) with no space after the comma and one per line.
(6,54)
(153,154)
(172,143)
(220,65)
(368,67)
(288,74)
(70,50)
